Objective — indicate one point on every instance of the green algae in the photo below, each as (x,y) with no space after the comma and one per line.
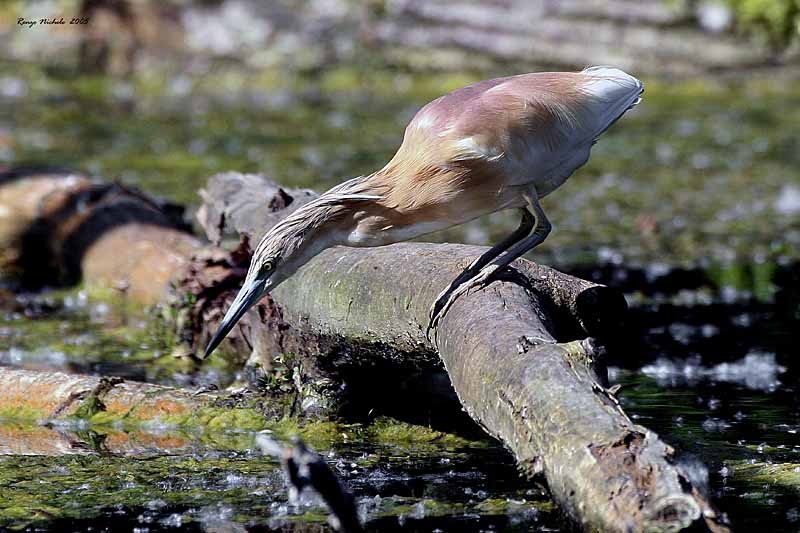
(242,487)
(381,431)
(211,422)
(92,405)
(783,475)
(504,505)
(42,490)
(210,419)
(91,410)
(388,430)
(223,418)
(22,413)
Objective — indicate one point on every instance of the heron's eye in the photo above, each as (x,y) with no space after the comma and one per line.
(268,265)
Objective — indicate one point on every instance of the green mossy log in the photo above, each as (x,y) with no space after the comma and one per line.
(543,399)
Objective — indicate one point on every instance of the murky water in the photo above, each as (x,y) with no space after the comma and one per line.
(715,374)
(695,192)
(169,482)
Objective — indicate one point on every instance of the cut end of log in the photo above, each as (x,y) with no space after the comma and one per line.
(672,513)
(601,311)
(667,499)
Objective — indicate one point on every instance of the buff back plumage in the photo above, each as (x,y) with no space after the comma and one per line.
(465,152)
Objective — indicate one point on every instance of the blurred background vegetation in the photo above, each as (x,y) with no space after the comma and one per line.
(164,94)
(775,21)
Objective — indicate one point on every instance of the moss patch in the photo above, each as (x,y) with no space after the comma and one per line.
(783,475)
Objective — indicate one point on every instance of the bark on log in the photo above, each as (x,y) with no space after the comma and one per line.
(352,309)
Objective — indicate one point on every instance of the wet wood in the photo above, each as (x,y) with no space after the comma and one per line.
(55,413)
(546,400)
(51,396)
(58,227)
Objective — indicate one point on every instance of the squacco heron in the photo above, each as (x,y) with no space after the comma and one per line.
(497,144)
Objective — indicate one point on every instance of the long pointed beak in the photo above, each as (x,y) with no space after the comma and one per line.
(248,296)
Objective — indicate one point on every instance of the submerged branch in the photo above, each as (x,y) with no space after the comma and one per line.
(305,468)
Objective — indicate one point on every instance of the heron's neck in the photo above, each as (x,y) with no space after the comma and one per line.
(318,225)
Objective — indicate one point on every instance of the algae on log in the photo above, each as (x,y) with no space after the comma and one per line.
(47,396)
(54,413)
(543,399)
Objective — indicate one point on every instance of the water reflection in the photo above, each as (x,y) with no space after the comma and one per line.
(757,371)
(161,481)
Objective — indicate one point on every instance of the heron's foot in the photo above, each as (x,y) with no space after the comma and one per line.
(467,274)
(447,297)
(436,312)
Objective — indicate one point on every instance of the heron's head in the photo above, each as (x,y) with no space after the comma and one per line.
(284,249)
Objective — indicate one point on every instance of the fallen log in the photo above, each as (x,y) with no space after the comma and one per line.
(56,397)
(53,413)
(544,400)
(58,226)
(363,312)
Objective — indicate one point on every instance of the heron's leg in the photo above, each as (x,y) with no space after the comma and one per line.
(525,226)
(481,278)
(540,232)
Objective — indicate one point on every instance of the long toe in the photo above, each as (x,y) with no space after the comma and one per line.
(440,307)
(446,301)
(451,299)
(436,306)
(447,297)
(435,312)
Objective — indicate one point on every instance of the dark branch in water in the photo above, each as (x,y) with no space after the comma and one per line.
(305,468)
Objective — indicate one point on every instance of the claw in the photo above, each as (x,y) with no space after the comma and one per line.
(452,293)
(435,311)
(440,305)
